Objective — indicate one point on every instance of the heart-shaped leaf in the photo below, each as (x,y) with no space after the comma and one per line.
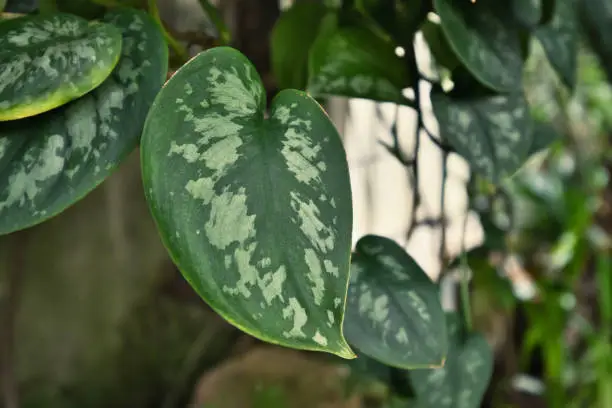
(293,35)
(463,380)
(50,161)
(255,212)
(47,61)
(493,133)
(393,311)
(485,40)
(559,38)
(356,62)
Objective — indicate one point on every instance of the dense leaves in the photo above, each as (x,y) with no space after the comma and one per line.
(462,381)
(354,61)
(47,61)
(393,310)
(292,37)
(52,160)
(255,212)
(485,39)
(493,133)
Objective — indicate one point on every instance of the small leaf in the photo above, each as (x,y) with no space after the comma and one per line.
(463,380)
(493,133)
(47,61)
(356,63)
(485,40)
(559,38)
(393,311)
(439,46)
(255,212)
(292,36)
(50,161)
(527,12)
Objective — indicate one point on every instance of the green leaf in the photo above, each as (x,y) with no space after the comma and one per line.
(463,380)
(493,133)
(255,212)
(544,134)
(47,61)
(393,310)
(50,161)
(292,36)
(596,16)
(2,4)
(439,46)
(357,63)
(527,12)
(559,38)
(485,39)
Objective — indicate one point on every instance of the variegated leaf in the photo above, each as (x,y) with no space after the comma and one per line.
(393,311)
(52,160)
(465,376)
(485,39)
(356,62)
(256,212)
(47,61)
(559,38)
(493,133)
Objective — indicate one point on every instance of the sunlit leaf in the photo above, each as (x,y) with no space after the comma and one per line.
(47,61)
(52,160)
(255,212)
(393,311)
(355,62)
(493,133)
(559,39)
(463,380)
(292,37)
(485,39)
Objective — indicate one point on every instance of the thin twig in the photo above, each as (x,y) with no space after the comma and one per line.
(396,149)
(10,306)
(442,251)
(464,283)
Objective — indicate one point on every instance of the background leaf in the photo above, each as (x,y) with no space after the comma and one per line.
(485,40)
(47,61)
(527,12)
(559,38)
(493,133)
(355,62)
(393,310)
(463,380)
(292,36)
(255,212)
(50,161)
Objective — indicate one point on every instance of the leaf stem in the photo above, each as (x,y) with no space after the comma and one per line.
(173,43)
(213,14)
(464,281)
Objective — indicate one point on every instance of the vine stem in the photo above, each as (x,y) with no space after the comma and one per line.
(442,251)
(466,307)
(213,14)
(176,46)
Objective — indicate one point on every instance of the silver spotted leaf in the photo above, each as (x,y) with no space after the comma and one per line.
(47,61)
(294,33)
(355,62)
(493,133)
(559,38)
(256,212)
(393,311)
(50,161)
(485,39)
(465,376)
